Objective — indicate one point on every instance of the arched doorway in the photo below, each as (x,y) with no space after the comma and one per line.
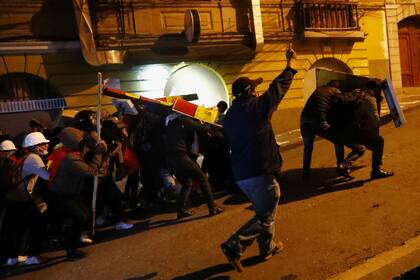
(314,78)
(333,64)
(409,41)
(201,80)
(24,97)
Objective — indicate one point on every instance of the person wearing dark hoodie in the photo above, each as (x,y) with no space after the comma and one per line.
(181,133)
(68,178)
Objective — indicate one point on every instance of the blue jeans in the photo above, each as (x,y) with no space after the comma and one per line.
(264,194)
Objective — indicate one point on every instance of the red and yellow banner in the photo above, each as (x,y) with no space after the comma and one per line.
(195,111)
(177,103)
(134,97)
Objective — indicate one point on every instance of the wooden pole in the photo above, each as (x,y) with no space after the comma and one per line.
(98,131)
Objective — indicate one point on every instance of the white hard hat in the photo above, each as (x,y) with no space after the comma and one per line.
(33,139)
(7,145)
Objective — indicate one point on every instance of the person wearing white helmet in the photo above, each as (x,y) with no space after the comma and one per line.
(22,215)
(7,146)
(36,143)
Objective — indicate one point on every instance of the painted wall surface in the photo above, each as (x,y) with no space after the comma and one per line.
(77,80)
(369,57)
(374,25)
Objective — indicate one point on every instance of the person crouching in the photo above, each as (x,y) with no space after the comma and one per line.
(68,181)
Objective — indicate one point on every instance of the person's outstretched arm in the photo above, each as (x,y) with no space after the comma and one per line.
(280,85)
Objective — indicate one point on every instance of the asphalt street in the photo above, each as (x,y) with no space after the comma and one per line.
(332,227)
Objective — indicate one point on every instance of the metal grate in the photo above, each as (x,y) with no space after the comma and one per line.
(329,16)
(32,105)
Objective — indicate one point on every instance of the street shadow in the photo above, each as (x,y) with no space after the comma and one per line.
(6,272)
(208,273)
(236,199)
(109,233)
(295,187)
(144,277)
(411,274)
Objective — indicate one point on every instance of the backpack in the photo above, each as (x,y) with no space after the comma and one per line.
(11,173)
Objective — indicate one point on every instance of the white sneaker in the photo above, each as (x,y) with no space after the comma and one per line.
(12,261)
(122,225)
(84,238)
(100,221)
(32,261)
(22,258)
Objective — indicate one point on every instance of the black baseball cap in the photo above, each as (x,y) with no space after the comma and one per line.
(242,84)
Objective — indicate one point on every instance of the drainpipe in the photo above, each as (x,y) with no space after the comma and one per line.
(257,22)
(87,40)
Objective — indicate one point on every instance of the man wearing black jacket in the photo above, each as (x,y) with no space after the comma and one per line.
(256,160)
(324,113)
(350,119)
(181,135)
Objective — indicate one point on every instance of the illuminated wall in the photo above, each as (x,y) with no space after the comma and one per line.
(370,56)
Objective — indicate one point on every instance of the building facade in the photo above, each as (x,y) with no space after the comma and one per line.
(151,47)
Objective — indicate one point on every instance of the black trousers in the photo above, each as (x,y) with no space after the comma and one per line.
(186,169)
(76,217)
(338,138)
(131,188)
(351,137)
(24,229)
(108,194)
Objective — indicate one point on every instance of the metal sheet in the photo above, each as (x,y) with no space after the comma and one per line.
(397,114)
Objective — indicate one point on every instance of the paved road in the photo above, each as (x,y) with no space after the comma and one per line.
(328,225)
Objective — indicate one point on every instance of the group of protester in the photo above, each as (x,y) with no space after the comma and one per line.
(47,182)
(47,185)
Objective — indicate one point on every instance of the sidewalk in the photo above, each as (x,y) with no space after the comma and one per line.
(293,139)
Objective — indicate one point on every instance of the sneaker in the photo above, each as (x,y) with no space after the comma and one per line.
(84,238)
(123,225)
(100,221)
(216,210)
(33,260)
(75,254)
(233,258)
(12,261)
(277,249)
(184,214)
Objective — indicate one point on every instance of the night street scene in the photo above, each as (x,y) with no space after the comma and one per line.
(210,139)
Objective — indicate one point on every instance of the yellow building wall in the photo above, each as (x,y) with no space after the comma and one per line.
(77,80)
(374,25)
